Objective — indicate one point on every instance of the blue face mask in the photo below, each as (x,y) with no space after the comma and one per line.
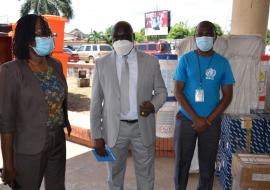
(44,45)
(205,43)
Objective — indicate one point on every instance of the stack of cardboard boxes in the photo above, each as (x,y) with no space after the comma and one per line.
(240,134)
(251,172)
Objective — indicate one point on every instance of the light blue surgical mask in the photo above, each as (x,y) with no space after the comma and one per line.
(44,45)
(205,43)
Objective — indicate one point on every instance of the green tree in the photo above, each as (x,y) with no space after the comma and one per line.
(268,37)
(218,29)
(140,36)
(156,37)
(108,35)
(192,31)
(179,31)
(95,37)
(52,7)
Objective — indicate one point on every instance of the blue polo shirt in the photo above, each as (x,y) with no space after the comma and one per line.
(215,72)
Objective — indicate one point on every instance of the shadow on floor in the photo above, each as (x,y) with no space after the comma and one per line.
(84,173)
(78,102)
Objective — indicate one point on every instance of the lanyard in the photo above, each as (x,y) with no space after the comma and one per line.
(208,65)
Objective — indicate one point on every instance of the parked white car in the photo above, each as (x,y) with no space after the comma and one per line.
(90,52)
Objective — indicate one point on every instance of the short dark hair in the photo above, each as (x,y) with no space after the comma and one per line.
(125,28)
(25,34)
(206,22)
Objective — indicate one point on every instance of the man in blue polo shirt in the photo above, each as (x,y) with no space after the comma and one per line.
(199,77)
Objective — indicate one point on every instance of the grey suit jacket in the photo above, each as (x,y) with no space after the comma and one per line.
(105,102)
(23,108)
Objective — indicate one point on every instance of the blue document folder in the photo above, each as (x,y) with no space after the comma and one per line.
(110,157)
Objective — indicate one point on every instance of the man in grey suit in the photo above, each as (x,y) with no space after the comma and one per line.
(128,90)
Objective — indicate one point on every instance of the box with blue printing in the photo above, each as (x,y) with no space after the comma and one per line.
(266,116)
(239,133)
(224,164)
(267,136)
(225,180)
(243,133)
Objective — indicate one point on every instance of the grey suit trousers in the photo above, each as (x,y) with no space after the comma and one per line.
(129,134)
(184,141)
(50,164)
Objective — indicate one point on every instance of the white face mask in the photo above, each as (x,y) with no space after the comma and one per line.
(123,47)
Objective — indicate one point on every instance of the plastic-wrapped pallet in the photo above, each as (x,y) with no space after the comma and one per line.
(267,95)
(185,45)
(245,46)
(244,55)
(263,80)
(165,120)
(245,95)
(168,64)
(165,124)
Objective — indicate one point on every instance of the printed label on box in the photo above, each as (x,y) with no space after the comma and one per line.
(260,177)
(246,123)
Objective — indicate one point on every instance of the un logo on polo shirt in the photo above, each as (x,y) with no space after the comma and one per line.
(210,74)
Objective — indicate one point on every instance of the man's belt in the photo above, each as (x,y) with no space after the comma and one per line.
(130,121)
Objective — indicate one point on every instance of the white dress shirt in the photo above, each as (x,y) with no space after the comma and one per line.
(133,80)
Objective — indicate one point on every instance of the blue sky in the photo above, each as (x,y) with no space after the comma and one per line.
(100,14)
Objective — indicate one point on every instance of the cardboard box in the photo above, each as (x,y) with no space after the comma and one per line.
(243,133)
(251,171)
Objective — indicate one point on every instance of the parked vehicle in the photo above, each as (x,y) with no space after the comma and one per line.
(90,52)
(154,47)
(267,49)
(73,57)
(173,48)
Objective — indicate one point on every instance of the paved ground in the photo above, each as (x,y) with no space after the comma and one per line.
(83,121)
(73,150)
(92,175)
(84,173)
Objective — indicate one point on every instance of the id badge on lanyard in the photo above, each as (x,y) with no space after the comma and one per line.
(199,95)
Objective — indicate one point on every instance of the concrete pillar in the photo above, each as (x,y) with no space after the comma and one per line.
(250,17)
